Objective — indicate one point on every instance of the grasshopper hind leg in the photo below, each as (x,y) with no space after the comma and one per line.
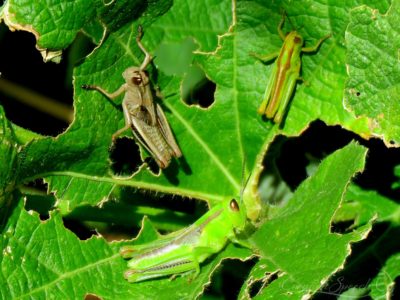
(119,132)
(181,266)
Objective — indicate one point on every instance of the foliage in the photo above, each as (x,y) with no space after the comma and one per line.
(296,248)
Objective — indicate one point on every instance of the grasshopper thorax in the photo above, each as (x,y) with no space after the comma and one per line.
(134,76)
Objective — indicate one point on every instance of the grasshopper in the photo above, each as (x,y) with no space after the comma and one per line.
(285,73)
(146,118)
(182,252)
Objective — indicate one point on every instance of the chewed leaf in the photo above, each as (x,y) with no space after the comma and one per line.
(203,135)
(9,150)
(298,244)
(53,28)
(295,242)
(55,24)
(385,282)
(373,88)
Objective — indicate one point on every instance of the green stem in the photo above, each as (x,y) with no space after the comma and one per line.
(128,215)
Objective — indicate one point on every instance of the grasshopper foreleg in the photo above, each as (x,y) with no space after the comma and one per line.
(316,46)
(111,96)
(148,58)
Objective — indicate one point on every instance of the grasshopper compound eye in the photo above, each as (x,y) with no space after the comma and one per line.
(136,80)
(234,205)
(298,40)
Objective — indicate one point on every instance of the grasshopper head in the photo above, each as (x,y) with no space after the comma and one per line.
(295,41)
(134,76)
(237,214)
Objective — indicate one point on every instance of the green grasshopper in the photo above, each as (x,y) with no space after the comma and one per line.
(146,119)
(182,252)
(285,73)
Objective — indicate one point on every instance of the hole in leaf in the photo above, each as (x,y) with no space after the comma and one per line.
(37,198)
(122,219)
(234,274)
(255,288)
(36,95)
(299,157)
(79,229)
(114,220)
(38,184)
(391,142)
(152,165)
(197,89)
(363,264)
(125,157)
(263,283)
(379,173)
(228,280)
(273,189)
(291,160)
(358,94)
(40,204)
(342,227)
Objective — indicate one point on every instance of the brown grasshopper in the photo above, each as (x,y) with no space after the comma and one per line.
(146,118)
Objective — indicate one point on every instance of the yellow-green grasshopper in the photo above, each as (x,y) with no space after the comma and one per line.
(146,118)
(183,251)
(285,73)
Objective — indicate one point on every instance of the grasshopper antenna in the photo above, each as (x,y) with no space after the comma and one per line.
(291,23)
(244,181)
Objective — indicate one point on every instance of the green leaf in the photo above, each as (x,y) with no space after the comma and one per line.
(383,284)
(8,166)
(293,244)
(372,90)
(321,97)
(81,157)
(55,23)
(380,251)
(361,206)
(354,294)
(75,191)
